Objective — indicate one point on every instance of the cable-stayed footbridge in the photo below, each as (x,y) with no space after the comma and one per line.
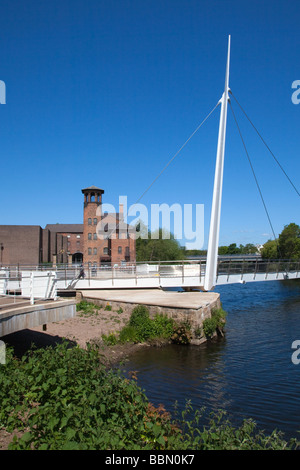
(202,274)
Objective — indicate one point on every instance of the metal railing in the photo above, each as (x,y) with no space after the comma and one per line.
(256,266)
(27,284)
(182,270)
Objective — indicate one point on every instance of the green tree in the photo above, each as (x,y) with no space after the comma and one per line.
(248,249)
(269,250)
(223,250)
(289,242)
(159,246)
(233,249)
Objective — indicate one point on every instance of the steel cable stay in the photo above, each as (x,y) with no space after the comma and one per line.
(256,180)
(264,142)
(169,163)
(178,151)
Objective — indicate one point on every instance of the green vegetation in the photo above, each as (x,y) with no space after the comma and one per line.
(231,249)
(87,309)
(287,246)
(159,246)
(216,322)
(64,398)
(181,334)
(141,328)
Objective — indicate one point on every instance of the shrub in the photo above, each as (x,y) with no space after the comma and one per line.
(181,334)
(110,339)
(128,334)
(141,322)
(217,320)
(162,326)
(65,399)
(209,327)
(139,315)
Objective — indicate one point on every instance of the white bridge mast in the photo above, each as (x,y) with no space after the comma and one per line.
(213,240)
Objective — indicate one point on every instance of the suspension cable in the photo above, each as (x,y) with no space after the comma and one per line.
(256,181)
(258,133)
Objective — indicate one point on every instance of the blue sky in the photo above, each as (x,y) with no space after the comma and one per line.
(105,92)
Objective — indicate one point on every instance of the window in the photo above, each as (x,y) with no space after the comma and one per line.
(89,251)
(119,249)
(95,221)
(89,236)
(77,236)
(89,221)
(105,250)
(95,236)
(95,251)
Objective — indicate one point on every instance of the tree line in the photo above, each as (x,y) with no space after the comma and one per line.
(162,246)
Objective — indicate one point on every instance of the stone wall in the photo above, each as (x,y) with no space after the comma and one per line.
(194,317)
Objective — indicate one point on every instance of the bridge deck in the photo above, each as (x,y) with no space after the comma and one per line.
(186,274)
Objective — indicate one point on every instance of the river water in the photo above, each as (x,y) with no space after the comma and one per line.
(249,373)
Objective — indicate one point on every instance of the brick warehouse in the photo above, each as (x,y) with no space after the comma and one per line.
(70,243)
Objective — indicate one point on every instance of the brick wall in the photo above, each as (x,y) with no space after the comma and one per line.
(22,244)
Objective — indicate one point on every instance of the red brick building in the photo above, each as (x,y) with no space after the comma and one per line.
(102,239)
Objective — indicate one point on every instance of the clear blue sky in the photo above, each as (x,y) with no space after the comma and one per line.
(105,92)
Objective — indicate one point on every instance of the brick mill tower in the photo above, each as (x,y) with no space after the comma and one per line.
(91,217)
(113,248)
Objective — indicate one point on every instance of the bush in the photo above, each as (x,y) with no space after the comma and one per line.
(141,322)
(128,334)
(162,326)
(181,334)
(217,320)
(63,399)
(110,340)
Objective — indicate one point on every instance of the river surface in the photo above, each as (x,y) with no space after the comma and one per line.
(249,373)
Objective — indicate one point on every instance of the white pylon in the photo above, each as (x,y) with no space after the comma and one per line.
(214,229)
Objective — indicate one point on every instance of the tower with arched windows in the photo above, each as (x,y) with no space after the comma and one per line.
(91,217)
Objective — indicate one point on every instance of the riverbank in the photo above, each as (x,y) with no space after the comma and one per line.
(110,311)
(84,328)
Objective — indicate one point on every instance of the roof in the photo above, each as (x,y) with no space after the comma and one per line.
(65,228)
(92,188)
